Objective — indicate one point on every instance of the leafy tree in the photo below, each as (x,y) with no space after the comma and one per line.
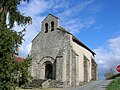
(21,72)
(10,39)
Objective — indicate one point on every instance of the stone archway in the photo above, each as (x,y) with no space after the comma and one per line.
(48,71)
(47,68)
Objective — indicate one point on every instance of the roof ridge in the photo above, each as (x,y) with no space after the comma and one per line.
(53,15)
(79,42)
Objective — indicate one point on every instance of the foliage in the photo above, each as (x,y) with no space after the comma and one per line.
(114,85)
(9,7)
(109,73)
(9,41)
(22,75)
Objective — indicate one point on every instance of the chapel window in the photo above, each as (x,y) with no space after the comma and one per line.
(52,26)
(46,27)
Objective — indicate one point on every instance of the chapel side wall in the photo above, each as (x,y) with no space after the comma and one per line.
(94,70)
(80,61)
(89,55)
(81,52)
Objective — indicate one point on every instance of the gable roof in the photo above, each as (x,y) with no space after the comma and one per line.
(78,41)
(36,36)
(52,16)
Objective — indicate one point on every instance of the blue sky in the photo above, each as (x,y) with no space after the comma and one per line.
(94,22)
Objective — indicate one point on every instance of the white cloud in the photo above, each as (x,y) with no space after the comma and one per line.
(73,20)
(35,7)
(98,27)
(74,10)
(96,8)
(25,49)
(108,56)
(75,25)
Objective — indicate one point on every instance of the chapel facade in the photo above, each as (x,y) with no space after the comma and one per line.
(58,55)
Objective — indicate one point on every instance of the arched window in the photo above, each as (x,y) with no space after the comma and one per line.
(52,26)
(46,27)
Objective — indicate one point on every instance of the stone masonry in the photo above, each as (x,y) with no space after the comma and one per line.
(58,55)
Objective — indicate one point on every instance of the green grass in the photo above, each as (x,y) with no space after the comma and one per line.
(114,85)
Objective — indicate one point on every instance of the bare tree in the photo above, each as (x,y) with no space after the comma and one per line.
(109,73)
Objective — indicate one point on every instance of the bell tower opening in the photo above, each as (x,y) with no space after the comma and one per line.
(46,27)
(52,26)
(48,71)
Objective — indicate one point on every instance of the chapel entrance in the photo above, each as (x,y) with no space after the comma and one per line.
(48,71)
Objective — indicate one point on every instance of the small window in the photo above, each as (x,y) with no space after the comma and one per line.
(52,26)
(46,27)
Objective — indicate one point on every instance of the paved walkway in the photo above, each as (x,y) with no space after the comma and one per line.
(96,85)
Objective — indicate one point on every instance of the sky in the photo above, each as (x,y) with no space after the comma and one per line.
(94,22)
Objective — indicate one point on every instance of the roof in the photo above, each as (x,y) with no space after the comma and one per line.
(36,36)
(78,41)
(18,58)
(52,16)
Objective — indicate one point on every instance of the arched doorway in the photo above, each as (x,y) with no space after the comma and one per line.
(48,71)
(47,68)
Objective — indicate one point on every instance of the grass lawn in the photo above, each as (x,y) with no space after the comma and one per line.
(114,85)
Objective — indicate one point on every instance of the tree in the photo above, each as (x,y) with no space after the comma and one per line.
(109,73)
(10,39)
(21,72)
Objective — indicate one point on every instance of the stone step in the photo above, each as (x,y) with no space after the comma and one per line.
(36,83)
(52,84)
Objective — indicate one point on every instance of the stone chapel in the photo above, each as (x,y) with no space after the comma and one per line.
(58,55)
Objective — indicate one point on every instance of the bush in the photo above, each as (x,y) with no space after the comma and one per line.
(114,85)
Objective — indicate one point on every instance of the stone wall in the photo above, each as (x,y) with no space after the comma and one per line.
(94,70)
(58,49)
(81,51)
